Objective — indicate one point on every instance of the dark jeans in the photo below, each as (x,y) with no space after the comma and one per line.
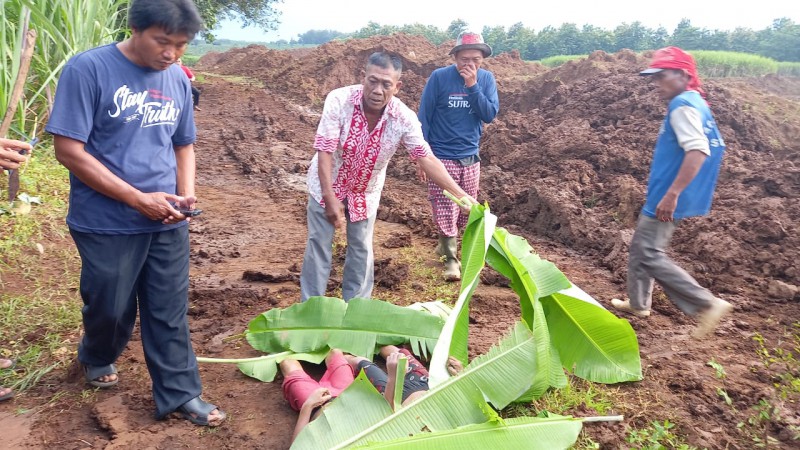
(195,96)
(416,378)
(151,270)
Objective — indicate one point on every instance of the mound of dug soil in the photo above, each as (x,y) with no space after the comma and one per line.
(568,156)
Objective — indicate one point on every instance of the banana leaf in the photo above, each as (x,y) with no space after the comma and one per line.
(361,414)
(455,333)
(436,307)
(265,367)
(577,333)
(517,350)
(353,419)
(531,433)
(593,343)
(399,382)
(531,276)
(357,327)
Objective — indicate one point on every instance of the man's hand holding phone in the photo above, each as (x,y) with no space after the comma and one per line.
(185,209)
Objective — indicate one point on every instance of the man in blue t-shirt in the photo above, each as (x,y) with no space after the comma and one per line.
(683,176)
(456,102)
(123,126)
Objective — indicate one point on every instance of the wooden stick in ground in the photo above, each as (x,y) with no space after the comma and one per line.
(19,83)
(16,94)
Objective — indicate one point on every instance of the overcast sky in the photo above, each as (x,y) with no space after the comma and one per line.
(299,16)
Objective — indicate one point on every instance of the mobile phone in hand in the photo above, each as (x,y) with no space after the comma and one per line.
(190,212)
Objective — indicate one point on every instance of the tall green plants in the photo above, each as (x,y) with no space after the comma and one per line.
(64,28)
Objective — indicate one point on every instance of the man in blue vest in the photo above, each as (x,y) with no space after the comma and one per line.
(683,176)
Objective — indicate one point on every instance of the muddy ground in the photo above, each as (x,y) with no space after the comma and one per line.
(565,166)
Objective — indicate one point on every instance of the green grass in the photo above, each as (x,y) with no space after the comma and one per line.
(425,279)
(39,304)
(716,64)
(577,394)
(235,79)
(658,436)
(189,60)
(555,61)
(733,64)
(43,177)
(789,69)
(781,363)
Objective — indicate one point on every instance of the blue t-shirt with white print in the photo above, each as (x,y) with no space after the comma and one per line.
(668,156)
(130,118)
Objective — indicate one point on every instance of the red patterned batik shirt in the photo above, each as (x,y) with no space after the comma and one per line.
(360,157)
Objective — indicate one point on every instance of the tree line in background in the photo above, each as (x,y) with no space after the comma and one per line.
(780,41)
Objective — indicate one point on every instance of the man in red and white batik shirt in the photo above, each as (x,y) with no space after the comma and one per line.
(360,129)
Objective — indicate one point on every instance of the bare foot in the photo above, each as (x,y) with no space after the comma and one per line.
(6,363)
(215,417)
(6,393)
(107,378)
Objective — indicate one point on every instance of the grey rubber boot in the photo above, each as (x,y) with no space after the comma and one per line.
(448,247)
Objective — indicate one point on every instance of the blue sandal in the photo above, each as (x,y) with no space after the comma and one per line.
(92,373)
(197,410)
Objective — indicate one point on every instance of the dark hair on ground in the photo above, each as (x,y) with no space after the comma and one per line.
(174,16)
(385,60)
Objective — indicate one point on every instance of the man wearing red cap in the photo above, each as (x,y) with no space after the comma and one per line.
(683,176)
(456,102)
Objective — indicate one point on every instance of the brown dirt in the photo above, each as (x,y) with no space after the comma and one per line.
(566,163)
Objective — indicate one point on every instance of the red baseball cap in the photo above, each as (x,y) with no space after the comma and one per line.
(671,58)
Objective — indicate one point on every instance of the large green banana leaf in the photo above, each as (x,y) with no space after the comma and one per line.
(353,420)
(436,307)
(356,327)
(593,343)
(455,333)
(265,367)
(529,433)
(576,333)
(552,376)
(361,414)
(517,351)
(531,276)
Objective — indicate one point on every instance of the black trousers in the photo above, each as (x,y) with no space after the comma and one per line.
(195,96)
(151,271)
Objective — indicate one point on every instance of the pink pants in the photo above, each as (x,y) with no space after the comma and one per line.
(298,385)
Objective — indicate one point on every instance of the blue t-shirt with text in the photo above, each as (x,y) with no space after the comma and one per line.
(130,118)
(668,156)
(452,115)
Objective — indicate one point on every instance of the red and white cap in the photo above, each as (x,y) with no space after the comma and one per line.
(471,40)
